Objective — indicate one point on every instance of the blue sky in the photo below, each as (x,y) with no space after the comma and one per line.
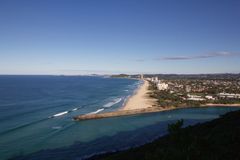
(119,36)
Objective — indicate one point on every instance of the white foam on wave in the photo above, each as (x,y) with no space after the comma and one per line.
(125,100)
(57,127)
(74,109)
(97,111)
(63,113)
(110,104)
(60,114)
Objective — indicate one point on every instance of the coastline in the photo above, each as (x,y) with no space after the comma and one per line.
(140,103)
(221,105)
(193,135)
(140,111)
(139,99)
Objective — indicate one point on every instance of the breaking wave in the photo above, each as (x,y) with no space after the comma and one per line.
(60,114)
(63,113)
(97,111)
(110,104)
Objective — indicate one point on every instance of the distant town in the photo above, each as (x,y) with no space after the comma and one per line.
(189,90)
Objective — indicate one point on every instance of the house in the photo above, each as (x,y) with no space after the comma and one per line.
(162,86)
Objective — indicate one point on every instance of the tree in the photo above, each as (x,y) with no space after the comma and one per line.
(175,127)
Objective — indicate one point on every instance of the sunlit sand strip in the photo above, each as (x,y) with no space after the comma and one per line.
(140,99)
(139,103)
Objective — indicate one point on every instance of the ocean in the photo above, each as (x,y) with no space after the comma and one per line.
(36,117)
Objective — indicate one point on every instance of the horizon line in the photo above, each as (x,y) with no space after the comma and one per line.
(97,74)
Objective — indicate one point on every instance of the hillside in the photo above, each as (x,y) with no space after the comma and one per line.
(218,139)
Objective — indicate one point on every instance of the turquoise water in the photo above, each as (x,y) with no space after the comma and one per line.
(28,105)
(29,129)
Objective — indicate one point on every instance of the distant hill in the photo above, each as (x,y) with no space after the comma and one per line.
(218,139)
(121,76)
(223,76)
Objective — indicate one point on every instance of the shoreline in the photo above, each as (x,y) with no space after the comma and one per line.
(129,96)
(222,105)
(139,99)
(121,113)
(140,103)
(223,122)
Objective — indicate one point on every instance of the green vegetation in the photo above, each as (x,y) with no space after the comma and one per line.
(175,127)
(227,101)
(179,92)
(166,99)
(215,140)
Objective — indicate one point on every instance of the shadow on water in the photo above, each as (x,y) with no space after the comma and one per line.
(120,141)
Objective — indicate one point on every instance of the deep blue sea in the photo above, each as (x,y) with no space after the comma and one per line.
(36,117)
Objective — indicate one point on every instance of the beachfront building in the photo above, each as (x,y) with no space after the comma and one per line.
(228,95)
(149,79)
(155,80)
(162,86)
(210,97)
(194,98)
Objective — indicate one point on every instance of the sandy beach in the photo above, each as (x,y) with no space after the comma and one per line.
(221,105)
(140,103)
(140,100)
